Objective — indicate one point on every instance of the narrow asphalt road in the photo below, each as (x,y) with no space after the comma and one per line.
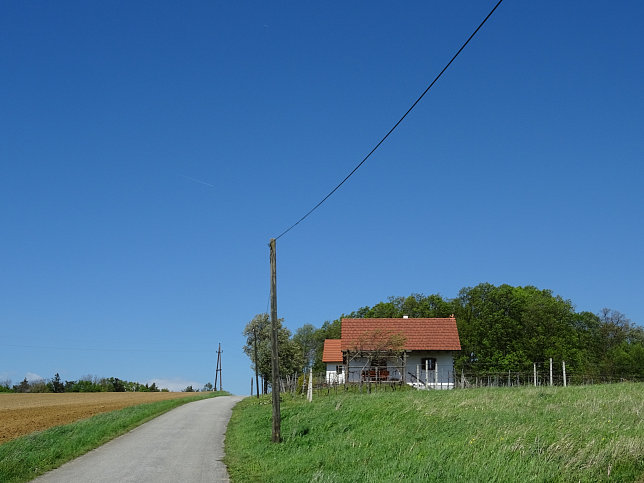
(185,444)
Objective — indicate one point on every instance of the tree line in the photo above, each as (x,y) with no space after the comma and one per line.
(84,384)
(501,328)
(88,384)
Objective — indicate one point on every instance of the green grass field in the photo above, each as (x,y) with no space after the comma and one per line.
(586,433)
(25,458)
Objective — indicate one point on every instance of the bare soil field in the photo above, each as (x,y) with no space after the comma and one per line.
(22,414)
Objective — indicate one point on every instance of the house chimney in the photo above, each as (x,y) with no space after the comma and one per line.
(405,316)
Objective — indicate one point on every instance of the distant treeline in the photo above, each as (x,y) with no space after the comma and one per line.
(85,384)
(502,328)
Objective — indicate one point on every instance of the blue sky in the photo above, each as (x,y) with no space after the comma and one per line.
(150,150)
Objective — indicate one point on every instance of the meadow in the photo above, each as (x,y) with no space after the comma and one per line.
(583,433)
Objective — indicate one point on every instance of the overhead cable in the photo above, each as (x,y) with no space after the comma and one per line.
(392,129)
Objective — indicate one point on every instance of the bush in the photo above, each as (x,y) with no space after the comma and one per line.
(5,386)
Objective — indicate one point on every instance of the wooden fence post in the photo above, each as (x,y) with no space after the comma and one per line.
(551,371)
(404,368)
(534,369)
(426,373)
(436,375)
(564,372)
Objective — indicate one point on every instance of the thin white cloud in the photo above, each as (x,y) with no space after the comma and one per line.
(33,377)
(197,180)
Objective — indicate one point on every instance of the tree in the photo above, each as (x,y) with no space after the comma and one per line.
(415,305)
(306,339)
(377,347)
(615,327)
(621,345)
(189,389)
(115,385)
(55,385)
(5,385)
(207,386)
(290,353)
(38,386)
(379,341)
(22,387)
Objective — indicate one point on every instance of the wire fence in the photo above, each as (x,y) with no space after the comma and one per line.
(378,379)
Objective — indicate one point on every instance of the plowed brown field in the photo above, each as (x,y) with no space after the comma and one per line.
(22,414)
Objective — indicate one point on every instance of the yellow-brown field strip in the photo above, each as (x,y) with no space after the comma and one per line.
(22,414)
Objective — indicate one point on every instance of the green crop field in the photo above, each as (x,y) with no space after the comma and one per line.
(585,433)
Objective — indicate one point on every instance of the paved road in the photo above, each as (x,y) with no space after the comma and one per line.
(185,444)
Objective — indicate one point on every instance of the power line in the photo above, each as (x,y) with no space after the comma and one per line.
(392,129)
(99,349)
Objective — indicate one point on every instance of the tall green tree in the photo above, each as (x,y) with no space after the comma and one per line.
(56,385)
(291,359)
(508,328)
(305,337)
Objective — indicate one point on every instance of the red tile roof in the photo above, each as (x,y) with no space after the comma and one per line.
(332,350)
(438,334)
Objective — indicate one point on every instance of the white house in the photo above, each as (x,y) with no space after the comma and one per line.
(415,351)
(332,356)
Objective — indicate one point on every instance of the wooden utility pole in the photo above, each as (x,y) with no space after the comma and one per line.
(218,369)
(275,383)
(216,372)
(220,376)
(256,370)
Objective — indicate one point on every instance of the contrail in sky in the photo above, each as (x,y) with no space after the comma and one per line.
(197,180)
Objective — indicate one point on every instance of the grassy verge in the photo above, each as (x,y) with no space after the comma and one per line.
(24,458)
(591,433)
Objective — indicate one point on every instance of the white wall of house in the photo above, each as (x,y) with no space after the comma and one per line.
(332,375)
(443,378)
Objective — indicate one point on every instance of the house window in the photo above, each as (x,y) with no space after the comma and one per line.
(430,361)
(338,369)
(379,362)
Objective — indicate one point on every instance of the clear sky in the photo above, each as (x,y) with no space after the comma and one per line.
(150,150)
